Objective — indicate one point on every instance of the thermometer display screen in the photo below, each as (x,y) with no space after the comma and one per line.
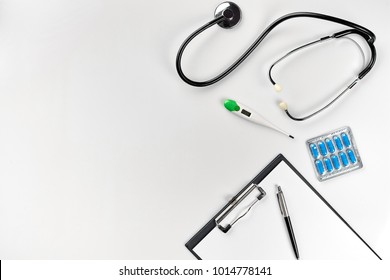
(246,113)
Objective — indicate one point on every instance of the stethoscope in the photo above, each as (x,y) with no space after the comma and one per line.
(228,14)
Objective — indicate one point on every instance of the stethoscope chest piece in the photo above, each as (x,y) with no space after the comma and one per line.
(231,13)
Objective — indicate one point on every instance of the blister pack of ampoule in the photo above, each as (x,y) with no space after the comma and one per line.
(334,153)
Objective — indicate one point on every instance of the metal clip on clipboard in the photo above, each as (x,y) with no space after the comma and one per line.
(233,204)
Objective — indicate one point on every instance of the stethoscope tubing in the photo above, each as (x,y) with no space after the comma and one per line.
(368,35)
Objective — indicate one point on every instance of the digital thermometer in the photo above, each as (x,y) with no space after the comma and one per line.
(248,114)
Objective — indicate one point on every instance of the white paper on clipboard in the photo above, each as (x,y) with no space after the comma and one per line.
(262,233)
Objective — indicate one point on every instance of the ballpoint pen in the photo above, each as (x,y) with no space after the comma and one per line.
(286,216)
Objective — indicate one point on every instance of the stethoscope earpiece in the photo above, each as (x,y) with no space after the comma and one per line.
(278,88)
(231,14)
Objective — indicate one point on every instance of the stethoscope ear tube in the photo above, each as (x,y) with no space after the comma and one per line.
(370,39)
(284,106)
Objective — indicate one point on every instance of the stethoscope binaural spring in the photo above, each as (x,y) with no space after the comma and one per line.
(228,14)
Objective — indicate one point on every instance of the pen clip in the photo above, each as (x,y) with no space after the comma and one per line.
(282,202)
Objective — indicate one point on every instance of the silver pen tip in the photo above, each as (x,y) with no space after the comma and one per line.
(279,189)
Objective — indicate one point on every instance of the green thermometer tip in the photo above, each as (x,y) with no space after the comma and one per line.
(231,105)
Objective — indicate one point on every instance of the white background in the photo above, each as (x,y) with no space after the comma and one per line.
(106,154)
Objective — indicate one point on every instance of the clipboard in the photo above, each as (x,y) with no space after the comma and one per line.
(321,232)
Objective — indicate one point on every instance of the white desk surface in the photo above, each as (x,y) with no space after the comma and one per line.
(106,154)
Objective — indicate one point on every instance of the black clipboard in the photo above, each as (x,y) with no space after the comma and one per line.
(202,233)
